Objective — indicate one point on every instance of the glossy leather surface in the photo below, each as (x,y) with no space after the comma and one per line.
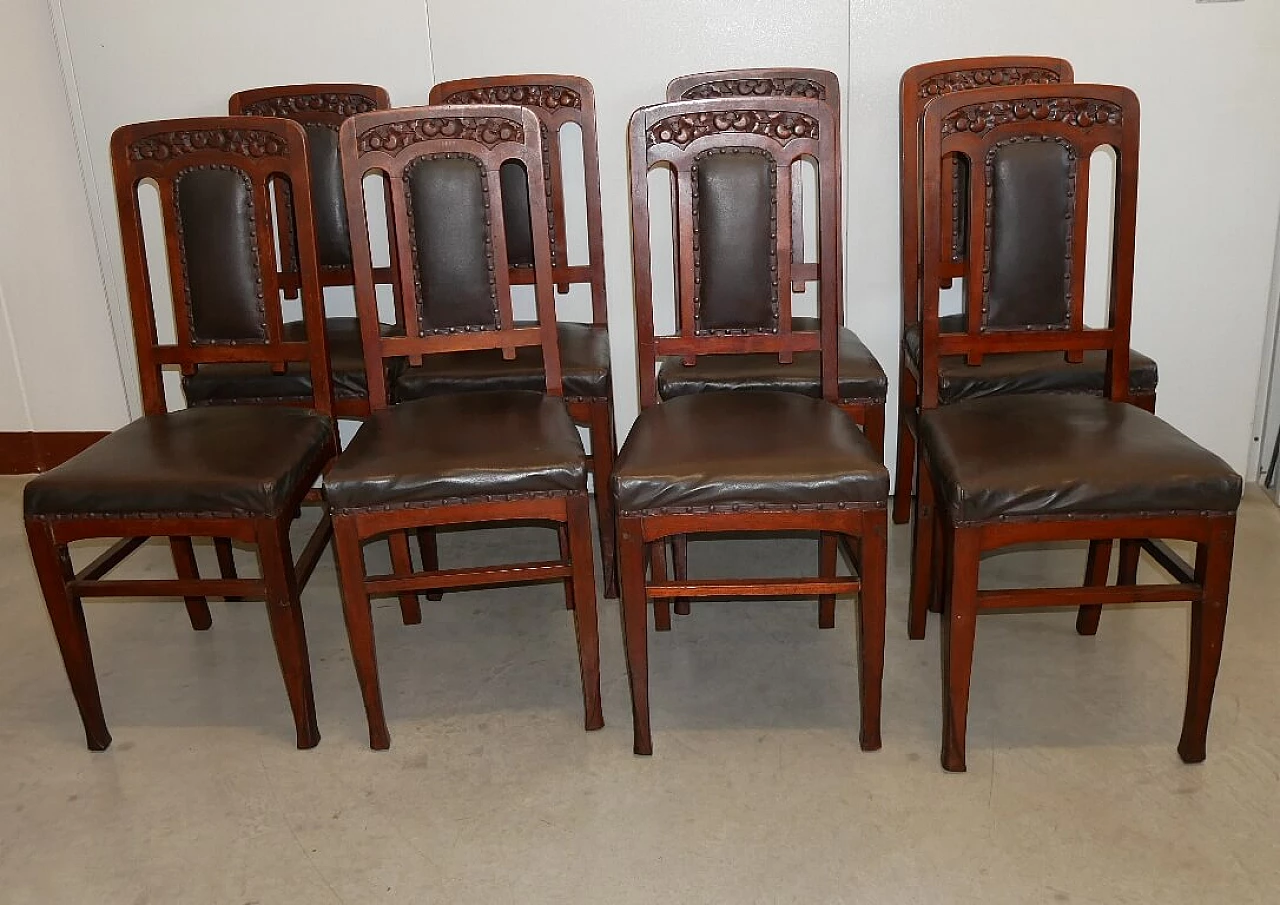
(459,447)
(221,384)
(1031,229)
(515,214)
(861,376)
(1026,372)
(734,221)
(584,364)
(451,232)
(237,460)
(1059,455)
(219,250)
(328,204)
(746,448)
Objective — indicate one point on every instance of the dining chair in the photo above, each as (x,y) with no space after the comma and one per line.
(1037,468)
(558,101)
(225,472)
(1025,372)
(863,386)
(463,458)
(744,461)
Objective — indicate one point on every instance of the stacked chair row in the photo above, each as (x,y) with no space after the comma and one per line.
(1027,424)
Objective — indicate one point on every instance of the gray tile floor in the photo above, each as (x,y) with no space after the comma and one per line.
(757,791)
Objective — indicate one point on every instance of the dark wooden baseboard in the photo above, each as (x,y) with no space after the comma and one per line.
(29,452)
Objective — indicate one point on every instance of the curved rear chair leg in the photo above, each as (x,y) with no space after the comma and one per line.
(1130,555)
(359,621)
(430,554)
(1096,572)
(828,558)
(284,610)
(184,564)
(1208,626)
(658,572)
(226,562)
(906,467)
(635,629)
(680,568)
(958,634)
(66,612)
(873,562)
(602,456)
(402,564)
(922,577)
(585,621)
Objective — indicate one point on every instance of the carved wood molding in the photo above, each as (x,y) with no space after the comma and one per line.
(761,87)
(686,128)
(549,97)
(394,137)
(294,105)
(247,142)
(1082,113)
(990,77)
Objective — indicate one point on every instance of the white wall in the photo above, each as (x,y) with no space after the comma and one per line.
(58,364)
(1209,199)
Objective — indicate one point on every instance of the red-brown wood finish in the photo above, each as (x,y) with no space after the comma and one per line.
(558,100)
(673,135)
(946,554)
(261,150)
(444,130)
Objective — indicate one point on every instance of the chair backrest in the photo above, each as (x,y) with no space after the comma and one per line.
(1029,149)
(213,176)
(731,159)
(556,100)
(320,109)
(442,167)
(919,85)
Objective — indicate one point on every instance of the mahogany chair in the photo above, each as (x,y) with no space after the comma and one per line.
(483,457)
(320,110)
(1036,468)
(556,100)
(1026,372)
(743,460)
(863,385)
(227,472)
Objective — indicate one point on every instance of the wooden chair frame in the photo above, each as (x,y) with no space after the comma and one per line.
(387,143)
(264,151)
(673,135)
(1084,118)
(558,100)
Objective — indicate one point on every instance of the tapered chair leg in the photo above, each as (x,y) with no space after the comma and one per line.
(658,572)
(958,634)
(184,564)
(562,531)
(66,612)
(602,456)
(680,569)
(359,620)
(585,621)
(1096,572)
(922,577)
(402,564)
(226,562)
(906,468)
(873,569)
(430,554)
(284,610)
(1127,567)
(635,629)
(1208,627)
(828,557)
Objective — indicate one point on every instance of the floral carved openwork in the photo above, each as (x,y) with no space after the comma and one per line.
(249,142)
(994,77)
(795,87)
(682,130)
(394,137)
(336,104)
(550,97)
(1082,113)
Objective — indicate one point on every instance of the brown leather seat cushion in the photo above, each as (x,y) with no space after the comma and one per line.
(747,448)
(244,460)
(584,365)
(1025,372)
(225,384)
(861,377)
(458,448)
(1059,455)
